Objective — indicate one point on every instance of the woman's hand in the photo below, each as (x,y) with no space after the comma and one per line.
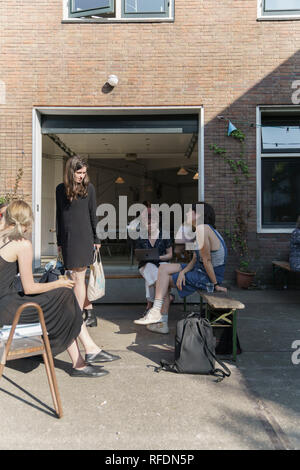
(65,283)
(97,246)
(220,289)
(180,280)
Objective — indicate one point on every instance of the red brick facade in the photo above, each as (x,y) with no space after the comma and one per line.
(214,54)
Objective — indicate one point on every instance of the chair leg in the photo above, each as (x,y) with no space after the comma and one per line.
(184,304)
(1,369)
(49,366)
(234,335)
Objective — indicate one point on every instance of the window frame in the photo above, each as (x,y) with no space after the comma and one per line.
(118,15)
(260,155)
(263,14)
(146,15)
(95,11)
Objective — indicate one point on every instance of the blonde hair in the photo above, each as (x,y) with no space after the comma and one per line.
(19,216)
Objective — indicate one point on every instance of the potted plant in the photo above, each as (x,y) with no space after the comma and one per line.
(239,244)
(238,232)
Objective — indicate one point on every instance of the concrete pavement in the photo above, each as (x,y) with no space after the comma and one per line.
(135,408)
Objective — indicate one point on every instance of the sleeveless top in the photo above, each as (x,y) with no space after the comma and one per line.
(218,257)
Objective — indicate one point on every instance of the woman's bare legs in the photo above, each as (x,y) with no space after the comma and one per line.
(78,275)
(80,290)
(76,358)
(89,346)
(164,280)
(162,297)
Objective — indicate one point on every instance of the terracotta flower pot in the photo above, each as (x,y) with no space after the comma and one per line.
(243,279)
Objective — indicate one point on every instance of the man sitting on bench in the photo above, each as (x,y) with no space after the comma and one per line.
(207,265)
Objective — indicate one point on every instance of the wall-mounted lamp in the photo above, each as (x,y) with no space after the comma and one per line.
(111,83)
(113,80)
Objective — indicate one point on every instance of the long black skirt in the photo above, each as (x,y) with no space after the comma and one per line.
(62,314)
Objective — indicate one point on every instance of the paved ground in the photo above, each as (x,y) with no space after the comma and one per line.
(133,407)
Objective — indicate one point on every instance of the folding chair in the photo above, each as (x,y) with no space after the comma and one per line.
(17,348)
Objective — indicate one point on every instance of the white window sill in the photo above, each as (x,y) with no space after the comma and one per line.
(115,20)
(278,18)
(276,230)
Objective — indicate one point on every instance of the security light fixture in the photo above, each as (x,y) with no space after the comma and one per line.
(113,80)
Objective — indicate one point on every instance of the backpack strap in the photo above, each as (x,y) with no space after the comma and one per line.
(217,372)
(167,366)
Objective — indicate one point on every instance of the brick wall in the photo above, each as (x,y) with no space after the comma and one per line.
(215,54)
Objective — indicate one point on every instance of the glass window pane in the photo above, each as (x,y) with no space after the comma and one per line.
(283,138)
(280,191)
(284,5)
(78,5)
(144,6)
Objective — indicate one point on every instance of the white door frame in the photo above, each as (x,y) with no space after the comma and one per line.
(74,110)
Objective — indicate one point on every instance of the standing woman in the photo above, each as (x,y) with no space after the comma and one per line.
(76,228)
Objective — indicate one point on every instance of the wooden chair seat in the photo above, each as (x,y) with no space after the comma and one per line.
(17,348)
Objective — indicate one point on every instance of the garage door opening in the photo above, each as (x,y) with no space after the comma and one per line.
(151,158)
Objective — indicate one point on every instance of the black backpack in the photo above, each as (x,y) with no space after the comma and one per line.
(195,349)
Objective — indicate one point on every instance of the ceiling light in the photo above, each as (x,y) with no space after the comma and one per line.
(119,180)
(182,172)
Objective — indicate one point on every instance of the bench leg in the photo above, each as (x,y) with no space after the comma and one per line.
(234,335)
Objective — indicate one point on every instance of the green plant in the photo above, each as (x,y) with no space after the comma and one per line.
(238,232)
(12,195)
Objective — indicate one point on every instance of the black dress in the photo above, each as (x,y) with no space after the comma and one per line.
(62,313)
(76,227)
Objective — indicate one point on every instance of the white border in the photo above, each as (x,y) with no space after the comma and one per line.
(118,18)
(36,185)
(261,17)
(71,110)
(259,109)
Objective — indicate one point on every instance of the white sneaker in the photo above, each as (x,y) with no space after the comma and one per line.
(161,328)
(152,316)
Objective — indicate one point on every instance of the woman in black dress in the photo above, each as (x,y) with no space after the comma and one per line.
(62,314)
(76,228)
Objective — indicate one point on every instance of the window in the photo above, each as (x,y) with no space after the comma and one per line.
(148,8)
(280,170)
(79,8)
(280,8)
(119,10)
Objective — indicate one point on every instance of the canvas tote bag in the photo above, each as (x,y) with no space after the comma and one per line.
(96,284)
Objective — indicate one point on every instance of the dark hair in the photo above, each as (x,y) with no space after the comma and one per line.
(73,189)
(209,213)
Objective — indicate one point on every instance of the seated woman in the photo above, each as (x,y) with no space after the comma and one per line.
(295,248)
(149,270)
(207,265)
(62,313)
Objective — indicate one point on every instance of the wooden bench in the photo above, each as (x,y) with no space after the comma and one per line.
(219,301)
(283,267)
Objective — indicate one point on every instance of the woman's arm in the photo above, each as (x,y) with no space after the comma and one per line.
(206,259)
(190,265)
(168,255)
(181,275)
(24,256)
(58,219)
(92,209)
